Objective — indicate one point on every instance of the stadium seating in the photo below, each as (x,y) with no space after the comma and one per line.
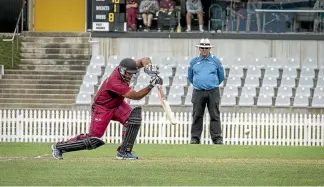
(288,81)
(188,100)
(306,82)
(321,72)
(182,70)
(253,72)
(320,82)
(234,81)
(285,91)
(176,90)
(169,61)
(228,100)
(248,90)
(166,80)
(184,60)
(264,100)
(90,79)
(266,90)
(271,72)
(236,71)
(246,100)
(230,90)
(257,62)
(138,102)
(83,99)
(97,60)
(174,99)
(87,88)
(283,101)
(319,91)
(289,72)
(307,72)
(293,63)
(257,82)
(239,62)
(190,90)
(154,99)
(301,101)
(310,63)
(252,81)
(166,70)
(318,101)
(275,63)
(270,81)
(180,80)
(303,91)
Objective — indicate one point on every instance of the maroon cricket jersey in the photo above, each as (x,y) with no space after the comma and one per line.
(110,93)
(166,4)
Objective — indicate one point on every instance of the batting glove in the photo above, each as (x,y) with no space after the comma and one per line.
(151,70)
(155,80)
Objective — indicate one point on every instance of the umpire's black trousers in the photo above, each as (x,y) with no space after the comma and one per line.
(201,98)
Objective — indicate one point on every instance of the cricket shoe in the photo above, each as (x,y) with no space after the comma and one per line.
(218,140)
(125,156)
(194,141)
(57,154)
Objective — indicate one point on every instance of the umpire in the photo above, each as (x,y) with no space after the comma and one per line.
(205,73)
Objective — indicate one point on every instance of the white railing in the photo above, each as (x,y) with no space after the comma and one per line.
(265,129)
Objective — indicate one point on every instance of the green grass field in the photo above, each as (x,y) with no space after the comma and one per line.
(5,53)
(176,165)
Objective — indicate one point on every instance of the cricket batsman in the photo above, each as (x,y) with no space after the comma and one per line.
(109,105)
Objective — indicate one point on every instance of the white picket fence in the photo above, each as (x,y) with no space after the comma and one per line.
(265,129)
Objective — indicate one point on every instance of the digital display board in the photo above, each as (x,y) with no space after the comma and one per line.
(109,15)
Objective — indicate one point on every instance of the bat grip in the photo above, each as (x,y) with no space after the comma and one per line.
(160,90)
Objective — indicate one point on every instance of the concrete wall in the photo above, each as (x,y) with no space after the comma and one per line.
(139,47)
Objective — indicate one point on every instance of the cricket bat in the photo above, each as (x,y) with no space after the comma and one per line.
(166,106)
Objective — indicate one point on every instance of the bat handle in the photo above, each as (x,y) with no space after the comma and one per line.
(160,90)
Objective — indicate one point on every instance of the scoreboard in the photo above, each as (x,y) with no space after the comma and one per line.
(109,15)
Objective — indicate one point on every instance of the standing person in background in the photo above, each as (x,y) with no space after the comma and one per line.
(131,14)
(252,5)
(167,11)
(233,14)
(205,73)
(319,17)
(148,8)
(109,105)
(194,7)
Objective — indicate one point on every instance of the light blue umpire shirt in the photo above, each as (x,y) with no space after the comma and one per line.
(205,73)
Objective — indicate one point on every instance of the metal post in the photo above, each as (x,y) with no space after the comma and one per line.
(22,19)
(12,53)
(17,41)
(264,21)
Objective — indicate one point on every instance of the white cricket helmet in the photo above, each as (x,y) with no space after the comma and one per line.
(204,43)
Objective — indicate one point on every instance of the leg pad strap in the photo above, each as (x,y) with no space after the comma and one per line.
(86,143)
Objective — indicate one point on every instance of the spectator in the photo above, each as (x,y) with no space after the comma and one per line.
(319,17)
(131,14)
(233,13)
(205,73)
(251,6)
(166,14)
(148,8)
(194,7)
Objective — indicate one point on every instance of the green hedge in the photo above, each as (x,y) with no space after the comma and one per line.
(5,53)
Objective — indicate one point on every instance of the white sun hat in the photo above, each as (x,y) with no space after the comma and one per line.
(204,43)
